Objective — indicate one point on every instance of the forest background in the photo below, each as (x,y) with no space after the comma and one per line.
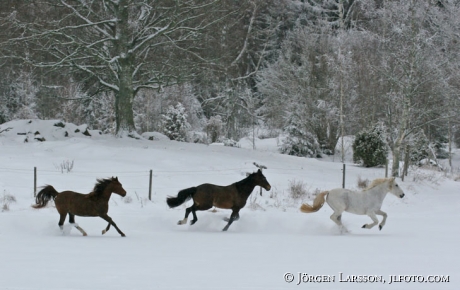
(206,71)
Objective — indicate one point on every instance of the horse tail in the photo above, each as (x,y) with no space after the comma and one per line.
(317,203)
(183,196)
(44,196)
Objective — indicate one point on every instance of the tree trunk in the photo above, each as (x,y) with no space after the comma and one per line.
(396,155)
(124,103)
(125,96)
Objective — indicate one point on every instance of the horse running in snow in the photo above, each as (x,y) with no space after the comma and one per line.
(367,202)
(205,196)
(95,203)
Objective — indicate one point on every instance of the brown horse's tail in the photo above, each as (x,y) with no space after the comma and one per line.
(317,203)
(44,196)
(183,196)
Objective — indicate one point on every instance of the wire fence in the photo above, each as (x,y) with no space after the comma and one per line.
(144,176)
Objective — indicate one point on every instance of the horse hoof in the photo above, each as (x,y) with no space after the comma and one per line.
(123,236)
(380,227)
(192,222)
(104,231)
(363,227)
(226,219)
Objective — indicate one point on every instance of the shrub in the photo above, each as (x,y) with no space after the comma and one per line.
(6,200)
(175,123)
(214,128)
(299,142)
(369,147)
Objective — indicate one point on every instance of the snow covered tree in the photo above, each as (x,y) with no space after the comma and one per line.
(370,148)
(123,45)
(175,123)
(214,128)
(419,147)
(299,141)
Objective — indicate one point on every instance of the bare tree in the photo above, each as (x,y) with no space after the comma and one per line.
(123,45)
(412,70)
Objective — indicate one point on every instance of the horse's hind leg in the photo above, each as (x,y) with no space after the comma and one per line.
(337,218)
(62,220)
(384,214)
(374,219)
(188,210)
(72,222)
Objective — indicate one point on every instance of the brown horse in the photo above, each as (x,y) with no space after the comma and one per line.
(95,203)
(207,195)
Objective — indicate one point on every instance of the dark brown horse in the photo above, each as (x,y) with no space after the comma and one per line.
(95,203)
(207,195)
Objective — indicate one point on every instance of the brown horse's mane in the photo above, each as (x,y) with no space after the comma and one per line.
(100,186)
(378,181)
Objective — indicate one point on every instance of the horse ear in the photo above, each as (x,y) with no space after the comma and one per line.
(259,171)
(116,178)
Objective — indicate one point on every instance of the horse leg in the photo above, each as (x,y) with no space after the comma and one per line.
(72,222)
(384,214)
(187,212)
(374,219)
(193,208)
(110,221)
(61,221)
(106,229)
(337,218)
(234,216)
(235,219)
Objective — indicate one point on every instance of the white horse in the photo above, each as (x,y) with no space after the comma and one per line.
(366,202)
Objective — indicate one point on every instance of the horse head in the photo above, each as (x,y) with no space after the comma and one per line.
(260,180)
(117,187)
(395,189)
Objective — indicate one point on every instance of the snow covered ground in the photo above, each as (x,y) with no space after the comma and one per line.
(272,238)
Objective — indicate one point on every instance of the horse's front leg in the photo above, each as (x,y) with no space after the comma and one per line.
(374,219)
(233,217)
(384,214)
(110,221)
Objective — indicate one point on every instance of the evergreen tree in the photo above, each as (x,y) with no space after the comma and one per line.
(299,141)
(370,147)
(175,123)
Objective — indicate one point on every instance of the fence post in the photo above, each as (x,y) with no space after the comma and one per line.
(150,185)
(386,168)
(343,178)
(35,181)
(261,167)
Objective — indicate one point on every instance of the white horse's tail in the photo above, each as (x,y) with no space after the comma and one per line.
(317,203)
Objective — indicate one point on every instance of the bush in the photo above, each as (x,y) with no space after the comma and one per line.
(299,142)
(419,148)
(214,128)
(369,147)
(175,123)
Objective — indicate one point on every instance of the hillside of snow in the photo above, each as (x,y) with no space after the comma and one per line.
(272,239)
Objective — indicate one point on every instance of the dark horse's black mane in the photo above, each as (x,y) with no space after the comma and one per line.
(100,186)
(246,183)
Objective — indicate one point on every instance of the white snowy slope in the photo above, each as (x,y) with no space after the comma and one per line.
(420,240)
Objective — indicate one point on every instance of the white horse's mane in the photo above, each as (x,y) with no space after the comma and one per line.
(379,181)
